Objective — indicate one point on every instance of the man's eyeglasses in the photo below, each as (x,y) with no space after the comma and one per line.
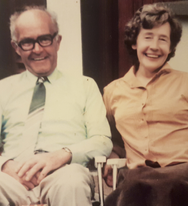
(28,44)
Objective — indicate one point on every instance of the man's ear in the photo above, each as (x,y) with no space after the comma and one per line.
(134,47)
(15,46)
(59,40)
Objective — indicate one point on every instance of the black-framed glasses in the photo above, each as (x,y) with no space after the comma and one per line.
(28,44)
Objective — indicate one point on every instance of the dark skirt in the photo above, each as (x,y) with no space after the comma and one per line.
(149,186)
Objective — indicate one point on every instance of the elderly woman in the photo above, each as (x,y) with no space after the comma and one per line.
(149,109)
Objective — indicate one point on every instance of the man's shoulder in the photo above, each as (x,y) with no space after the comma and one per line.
(88,80)
(10,80)
(9,85)
(76,77)
(79,80)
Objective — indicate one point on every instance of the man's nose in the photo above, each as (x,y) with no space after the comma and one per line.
(37,48)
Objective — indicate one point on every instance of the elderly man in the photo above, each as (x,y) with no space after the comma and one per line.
(52,123)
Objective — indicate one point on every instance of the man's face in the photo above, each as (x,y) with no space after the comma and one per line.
(153,47)
(41,61)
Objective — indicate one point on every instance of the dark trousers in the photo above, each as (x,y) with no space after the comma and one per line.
(149,186)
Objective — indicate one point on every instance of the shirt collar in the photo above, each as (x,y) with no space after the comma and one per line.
(131,79)
(56,74)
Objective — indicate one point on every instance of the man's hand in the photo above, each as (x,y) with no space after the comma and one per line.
(43,163)
(10,167)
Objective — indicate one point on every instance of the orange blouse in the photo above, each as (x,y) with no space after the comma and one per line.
(152,120)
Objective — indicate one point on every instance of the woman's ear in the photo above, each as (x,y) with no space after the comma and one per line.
(134,47)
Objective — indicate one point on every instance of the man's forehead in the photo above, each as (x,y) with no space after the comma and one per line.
(32,16)
(34,23)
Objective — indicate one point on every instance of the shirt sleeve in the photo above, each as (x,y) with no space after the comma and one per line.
(98,135)
(108,99)
(2,159)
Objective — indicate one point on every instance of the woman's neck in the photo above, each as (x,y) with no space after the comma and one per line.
(145,76)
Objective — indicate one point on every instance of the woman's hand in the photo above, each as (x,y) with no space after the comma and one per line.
(108,171)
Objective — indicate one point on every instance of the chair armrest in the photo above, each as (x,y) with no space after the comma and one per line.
(99,161)
(115,164)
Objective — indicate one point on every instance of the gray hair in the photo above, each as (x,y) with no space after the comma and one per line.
(14,17)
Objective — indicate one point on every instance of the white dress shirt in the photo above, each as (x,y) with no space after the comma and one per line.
(74,117)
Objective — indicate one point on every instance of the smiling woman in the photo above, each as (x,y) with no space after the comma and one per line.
(153,48)
(148,107)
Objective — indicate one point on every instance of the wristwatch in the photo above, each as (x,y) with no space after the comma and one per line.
(67,150)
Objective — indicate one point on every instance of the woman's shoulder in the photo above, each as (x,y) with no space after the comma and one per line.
(112,85)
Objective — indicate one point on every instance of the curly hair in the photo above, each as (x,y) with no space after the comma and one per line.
(147,17)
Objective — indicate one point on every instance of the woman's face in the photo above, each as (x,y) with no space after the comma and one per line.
(153,47)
